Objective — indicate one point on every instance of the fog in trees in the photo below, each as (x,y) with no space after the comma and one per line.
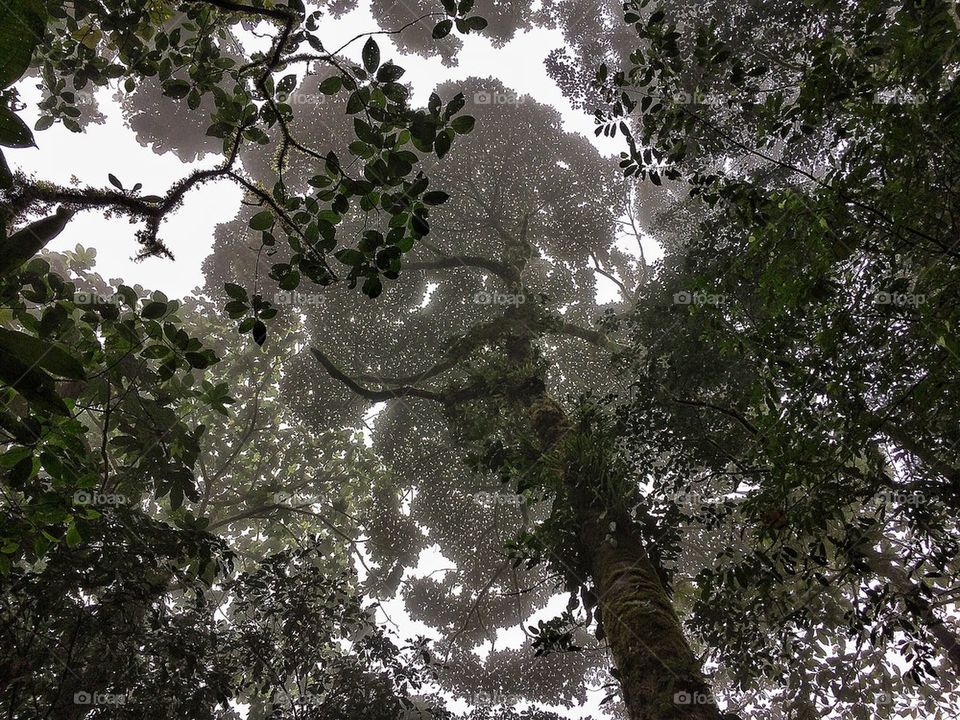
(473,414)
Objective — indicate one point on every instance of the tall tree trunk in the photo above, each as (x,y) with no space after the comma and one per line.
(659,674)
(660,677)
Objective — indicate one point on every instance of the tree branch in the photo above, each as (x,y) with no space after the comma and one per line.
(373,395)
(716,408)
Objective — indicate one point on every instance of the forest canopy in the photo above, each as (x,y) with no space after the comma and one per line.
(545,360)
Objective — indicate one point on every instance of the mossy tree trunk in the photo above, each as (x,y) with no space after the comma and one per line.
(660,677)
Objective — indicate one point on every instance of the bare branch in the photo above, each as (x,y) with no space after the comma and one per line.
(373,395)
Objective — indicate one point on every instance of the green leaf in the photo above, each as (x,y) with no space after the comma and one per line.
(52,357)
(6,176)
(156,351)
(454,106)
(444,141)
(475,23)
(176,497)
(22,27)
(332,85)
(235,291)
(24,244)
(154,309)
(371,55)
(236,308)
(177,89)
(13,131)
(354,103)
(262,220)
(464,124)
(73,536)
(350,257)
(290,281)
(442,29)
(33,383)
(436,197)
(372,287)
(361,149)
(198,360)
(12,457)
(390,73)
(259,333)
(366,133)
(396,92)
(423,128)
(419,225)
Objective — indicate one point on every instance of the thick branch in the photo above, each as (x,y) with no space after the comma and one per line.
(283,14)
(30,195)
(509,274)
(373,395)
(907,442)
(946,638)
(594,337)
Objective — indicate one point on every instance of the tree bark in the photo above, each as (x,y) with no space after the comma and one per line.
(660,676)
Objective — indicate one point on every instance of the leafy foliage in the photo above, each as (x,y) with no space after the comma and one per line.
(794,358)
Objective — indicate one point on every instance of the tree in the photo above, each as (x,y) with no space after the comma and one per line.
(130,374)
(510,237)
(802,389)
